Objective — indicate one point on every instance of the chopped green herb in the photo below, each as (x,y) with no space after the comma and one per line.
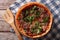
(29,18)
(34,7)
(38,31)
(37,14)
(26,12)
(37,28)
(37,24)
(31,11)
(41,10)
(45,19)
(32,29)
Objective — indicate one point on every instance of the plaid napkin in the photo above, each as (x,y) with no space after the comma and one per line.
(54,6)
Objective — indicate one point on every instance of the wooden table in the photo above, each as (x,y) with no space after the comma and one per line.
(5,28)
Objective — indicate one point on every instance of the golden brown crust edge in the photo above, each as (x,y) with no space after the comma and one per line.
(21,30)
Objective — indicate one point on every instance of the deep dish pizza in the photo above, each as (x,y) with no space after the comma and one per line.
(33,20)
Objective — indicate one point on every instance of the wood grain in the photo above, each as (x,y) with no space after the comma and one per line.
(3,25)
(7,36)
(1,13)
(5,3)
(5,28)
